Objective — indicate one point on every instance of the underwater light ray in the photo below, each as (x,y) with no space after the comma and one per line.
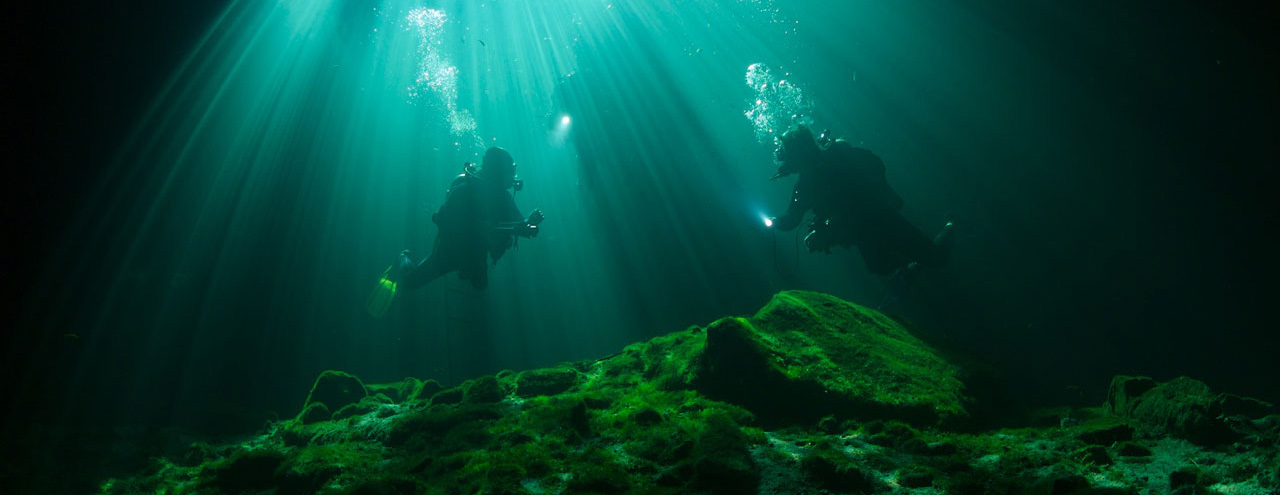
(133,207)
(161,190)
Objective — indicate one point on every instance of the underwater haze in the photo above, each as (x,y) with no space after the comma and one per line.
(203,194)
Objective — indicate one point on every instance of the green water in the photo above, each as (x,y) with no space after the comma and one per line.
(226,248)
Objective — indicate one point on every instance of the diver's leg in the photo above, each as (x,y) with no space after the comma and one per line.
(475,270)
(425,271)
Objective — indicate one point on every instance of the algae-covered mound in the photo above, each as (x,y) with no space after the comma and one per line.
(1186,408)
(811,395)
(807,355)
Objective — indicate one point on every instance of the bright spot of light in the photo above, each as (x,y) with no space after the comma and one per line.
(560,131)
(768,222)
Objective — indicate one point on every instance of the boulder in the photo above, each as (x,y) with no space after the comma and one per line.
(1124,391)
(549,381)
(336,389)
(482,390)
(1183,407)
(807,355)
(424,390)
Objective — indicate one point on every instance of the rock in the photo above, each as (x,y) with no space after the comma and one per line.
(1187,476)
(915,479)
(647,417)
(942,448)
(425,390)
(1130,449)
(315,412)
(1186,408)
(807,355)
(350,410)
(451,395)
(833,470)
(336,389)
(1065,485)
(1123,392)
(720,458)
(1105,434)
(1093,454)
(247,470)
(1235,405)
(545,381)
(483,390)
(390,391)
(408,387)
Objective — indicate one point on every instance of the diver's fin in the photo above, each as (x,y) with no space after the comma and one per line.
(382,296)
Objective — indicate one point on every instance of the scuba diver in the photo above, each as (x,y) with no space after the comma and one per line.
(853,205)
(479,221)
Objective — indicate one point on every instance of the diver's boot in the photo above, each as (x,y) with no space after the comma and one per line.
(403,265)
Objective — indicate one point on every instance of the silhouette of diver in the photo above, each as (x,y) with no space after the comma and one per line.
(853,205)
(478,221)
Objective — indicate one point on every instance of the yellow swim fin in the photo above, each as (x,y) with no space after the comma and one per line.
(382,295)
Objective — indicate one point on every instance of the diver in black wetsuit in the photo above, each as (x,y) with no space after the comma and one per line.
(853,205)
(478,221)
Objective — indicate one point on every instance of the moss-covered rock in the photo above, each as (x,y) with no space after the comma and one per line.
(389,390)
(1185,478)
(1104,432)
(1131,449)
(1094,454)
(548,381)
(448,396)
(720,459)
(336,389)
(1124,392)
(808,355)
(482,390)
(424,390)
(650,421)
(830,468)
(314,412)
(245,470)
(314,467)
(1183,407)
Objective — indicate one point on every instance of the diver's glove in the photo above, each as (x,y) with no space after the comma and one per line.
(526,230)
(530,227)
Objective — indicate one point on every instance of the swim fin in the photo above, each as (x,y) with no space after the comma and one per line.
(382,296)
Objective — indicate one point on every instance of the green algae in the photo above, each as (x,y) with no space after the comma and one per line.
(650,420)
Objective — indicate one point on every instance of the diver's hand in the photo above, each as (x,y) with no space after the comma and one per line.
(536,217)
(527,230)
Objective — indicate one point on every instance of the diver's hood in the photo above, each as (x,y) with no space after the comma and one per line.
(477,173)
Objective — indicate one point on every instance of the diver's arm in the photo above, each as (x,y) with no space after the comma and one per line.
(795,212)
(521,226)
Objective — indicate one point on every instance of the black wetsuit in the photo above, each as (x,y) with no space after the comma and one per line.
(853,205)
(475,224)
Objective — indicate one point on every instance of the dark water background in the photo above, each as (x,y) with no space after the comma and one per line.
(1118,159)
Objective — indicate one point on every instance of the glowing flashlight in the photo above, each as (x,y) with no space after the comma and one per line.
(560,131)
(768,222)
